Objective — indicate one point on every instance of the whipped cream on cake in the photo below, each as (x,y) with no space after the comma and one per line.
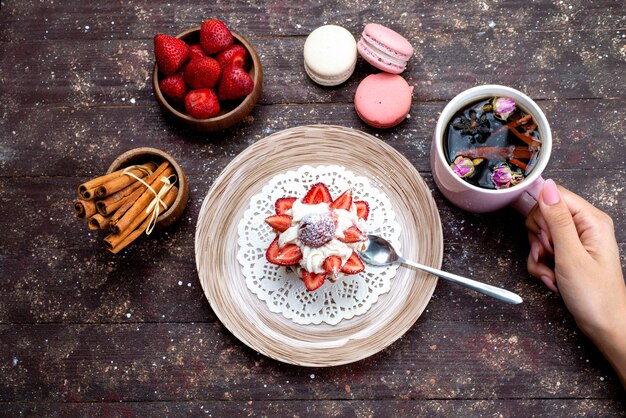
(318,237)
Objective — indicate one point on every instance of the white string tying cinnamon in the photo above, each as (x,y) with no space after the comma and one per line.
(138,167)
(153,206)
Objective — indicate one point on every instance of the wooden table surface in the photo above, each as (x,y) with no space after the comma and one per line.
(84,332)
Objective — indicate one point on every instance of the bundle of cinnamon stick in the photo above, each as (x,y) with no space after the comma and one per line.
(127,201)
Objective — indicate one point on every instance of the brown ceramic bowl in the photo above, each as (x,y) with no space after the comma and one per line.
(144,155)
(232,111)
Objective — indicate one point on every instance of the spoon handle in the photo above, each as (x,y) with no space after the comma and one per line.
(493,291)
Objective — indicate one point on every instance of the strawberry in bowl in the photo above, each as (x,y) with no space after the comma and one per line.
(318,237)
(208,57)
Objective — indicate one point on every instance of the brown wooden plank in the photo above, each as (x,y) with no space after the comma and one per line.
(166,362)
(344,408)
(83,142)
(550,65)
(93,20)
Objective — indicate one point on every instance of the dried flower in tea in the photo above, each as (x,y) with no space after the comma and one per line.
(504,177)
(465,167)
(503,107)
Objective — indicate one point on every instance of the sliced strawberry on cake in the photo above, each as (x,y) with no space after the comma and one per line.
(318,194)
(343,202)
(332,265)
(283,204)
(279,222)
(354,265)
(362,209)
(287,256)
(313,281)
(352,234)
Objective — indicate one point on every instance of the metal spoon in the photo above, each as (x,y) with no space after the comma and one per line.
(379,252)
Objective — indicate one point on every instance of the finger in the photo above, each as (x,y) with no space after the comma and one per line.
(560,222)
(545,240)
(550,283)
(535,249)
(535,221)
(531,222)
(542,272)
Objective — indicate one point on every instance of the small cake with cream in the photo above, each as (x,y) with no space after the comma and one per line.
(318,237)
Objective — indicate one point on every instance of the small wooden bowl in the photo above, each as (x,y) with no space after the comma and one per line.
(144,155)
(231,112)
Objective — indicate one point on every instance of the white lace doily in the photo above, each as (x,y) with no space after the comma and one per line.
(282,290)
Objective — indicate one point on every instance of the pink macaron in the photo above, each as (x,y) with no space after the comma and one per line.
(384,48)
(383,100)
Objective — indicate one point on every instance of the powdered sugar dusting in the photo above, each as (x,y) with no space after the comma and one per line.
(316,230)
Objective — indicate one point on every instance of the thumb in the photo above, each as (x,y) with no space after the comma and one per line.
(559,219)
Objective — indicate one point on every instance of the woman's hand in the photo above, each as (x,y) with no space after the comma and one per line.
(587,270)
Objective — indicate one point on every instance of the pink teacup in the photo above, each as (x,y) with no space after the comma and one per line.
(473,198)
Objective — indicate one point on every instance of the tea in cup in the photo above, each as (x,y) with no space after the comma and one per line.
(490,147)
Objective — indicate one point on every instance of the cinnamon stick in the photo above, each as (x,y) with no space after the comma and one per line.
(530,128)
(91,226)
(87,190)
(84,208)
(98,221)
(505,153)
(529,139)
(138,209)
(519,163)
(520,121)
(109,204)
(514,124)
(123,180)
(116,242)
(130,201)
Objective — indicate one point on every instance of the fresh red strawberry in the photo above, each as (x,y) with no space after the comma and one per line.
(289,255)
(332,265)
(362,209)
(215,36)
(352,234)
(174,87)
(344,201)
(203,73)
(312,280)
(196,51)
(279,222)
(170,53)
(284,204)
(354,265)
(236,55)
(236,83)
(202,103)
(318,194)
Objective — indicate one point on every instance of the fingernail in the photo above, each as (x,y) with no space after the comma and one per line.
(543,237)
(534,251)
(551,195)
(548,282)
